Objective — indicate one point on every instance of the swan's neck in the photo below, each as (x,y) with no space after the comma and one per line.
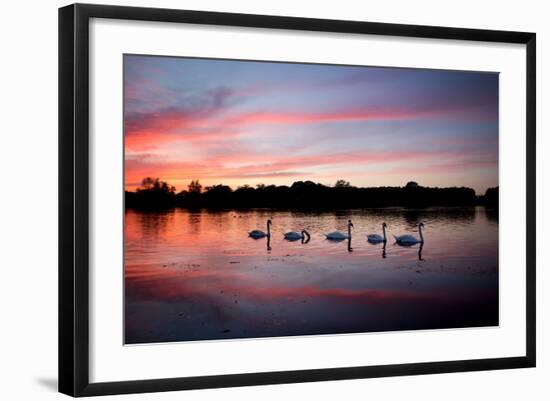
(421,236)
(384,231)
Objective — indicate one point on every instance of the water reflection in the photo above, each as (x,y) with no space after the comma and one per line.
(196,275)
(491,214)
(267,240)
(341,239)
(460,215)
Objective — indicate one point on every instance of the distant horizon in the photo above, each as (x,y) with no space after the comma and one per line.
(332,185)
(235,123)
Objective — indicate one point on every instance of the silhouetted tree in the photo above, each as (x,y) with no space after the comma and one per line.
(303,194)
(342,184)
(491,197)
(216,195)
(147,184)
(195,186)
(153,193)
(154,185)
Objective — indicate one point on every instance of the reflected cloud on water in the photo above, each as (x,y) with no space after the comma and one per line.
(193,275)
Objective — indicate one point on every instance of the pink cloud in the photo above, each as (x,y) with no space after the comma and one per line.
(367,114)
(230,165)
(151,130)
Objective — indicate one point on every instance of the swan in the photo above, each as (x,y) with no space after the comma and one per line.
(377,238)
(408,240)
(338,236)
(261,234)
(294,236)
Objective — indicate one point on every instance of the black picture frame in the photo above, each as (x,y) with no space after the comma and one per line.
(74,198)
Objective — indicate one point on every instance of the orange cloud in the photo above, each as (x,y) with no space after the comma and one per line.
(241,165)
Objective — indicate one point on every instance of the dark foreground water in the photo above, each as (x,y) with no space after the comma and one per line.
(198,276)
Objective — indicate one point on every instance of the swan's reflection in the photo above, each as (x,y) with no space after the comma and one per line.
(267,242)
(421,246)
(350,249)
(383,247)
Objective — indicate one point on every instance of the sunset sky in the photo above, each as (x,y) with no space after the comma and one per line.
(244,122)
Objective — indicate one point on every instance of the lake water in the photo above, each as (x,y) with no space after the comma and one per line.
(196,275)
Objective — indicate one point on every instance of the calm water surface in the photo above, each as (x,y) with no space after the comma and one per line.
(196,275)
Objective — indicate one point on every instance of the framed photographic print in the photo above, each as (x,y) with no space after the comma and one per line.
(250,199)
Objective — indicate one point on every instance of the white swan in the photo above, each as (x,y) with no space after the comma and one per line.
(377,238)
(294,235)
(260,233)
(338,236)
(408,240)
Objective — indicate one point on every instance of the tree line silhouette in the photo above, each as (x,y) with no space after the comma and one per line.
(154,194)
